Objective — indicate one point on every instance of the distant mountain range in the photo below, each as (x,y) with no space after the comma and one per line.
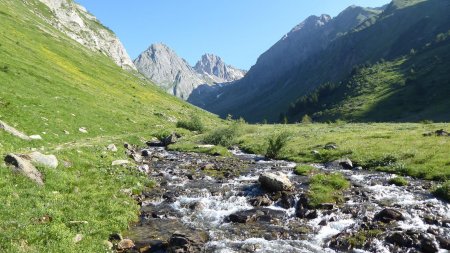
(164,67)
(380,57)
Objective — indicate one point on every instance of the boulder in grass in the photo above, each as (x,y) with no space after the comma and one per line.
(45,160)
(25,167)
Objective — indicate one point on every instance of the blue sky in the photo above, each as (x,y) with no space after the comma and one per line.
(236,30)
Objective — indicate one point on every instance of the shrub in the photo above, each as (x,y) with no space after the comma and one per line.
(194,124)
(398,181)
(443,191)
(306,119)
(225,136)
(304,170)
(276,144)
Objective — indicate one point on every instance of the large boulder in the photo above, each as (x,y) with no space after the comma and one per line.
(45,160)
(25,167)
(171,139)
(275,182)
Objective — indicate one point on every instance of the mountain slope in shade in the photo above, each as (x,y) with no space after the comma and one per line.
(163,66)
(402,28)
(302,42)
(74,21)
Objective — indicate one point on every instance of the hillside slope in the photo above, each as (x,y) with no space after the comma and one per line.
(410,88)
(51,85)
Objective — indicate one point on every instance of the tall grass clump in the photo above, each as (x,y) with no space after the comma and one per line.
(224,136)
(194,124)
(276,144)
(443,191)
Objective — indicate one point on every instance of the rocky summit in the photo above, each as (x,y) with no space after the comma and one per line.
(163,66)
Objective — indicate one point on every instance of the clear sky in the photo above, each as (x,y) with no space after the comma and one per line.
(236,30)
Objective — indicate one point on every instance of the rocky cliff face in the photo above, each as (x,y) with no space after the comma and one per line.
(75,21)
(163,66)
(213,67)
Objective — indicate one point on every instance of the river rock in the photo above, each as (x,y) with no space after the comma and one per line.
(275,182)
(444,242)
(401,239)
(261,201)
(46,160)
(428,245)
(182,243)
(287,200)
(125,244)
(25,167)
(243,216)
(171,139)
(387,215)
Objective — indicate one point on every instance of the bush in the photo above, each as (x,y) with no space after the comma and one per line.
(443,191)
(276,144)
(225,136)
(398,181)
(306,119)
(194,124)
(304,170)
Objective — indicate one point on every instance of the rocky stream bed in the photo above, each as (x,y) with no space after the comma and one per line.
(211,204)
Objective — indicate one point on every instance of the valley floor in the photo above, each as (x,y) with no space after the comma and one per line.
(86,196)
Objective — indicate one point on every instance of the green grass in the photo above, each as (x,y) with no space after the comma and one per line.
(395,148)
(359,239)
(443,191)
(399,181)
(193,124)
(326,188)
(51,84)
(304,170)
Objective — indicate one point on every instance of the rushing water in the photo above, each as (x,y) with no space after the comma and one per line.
(194,201)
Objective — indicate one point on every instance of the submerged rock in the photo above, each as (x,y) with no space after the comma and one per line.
(275,182)
(182,243)
(387,215)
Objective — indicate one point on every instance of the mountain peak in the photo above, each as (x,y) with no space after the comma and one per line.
(163,66)
(215,68)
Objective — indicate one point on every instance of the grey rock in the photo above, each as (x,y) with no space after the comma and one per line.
(125,244)
(112,148)
(183,243)
(164,67)
(119,162)
(275,182)
(13,131)
(46,160)
(25,167)
(387,215)
(74,20)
